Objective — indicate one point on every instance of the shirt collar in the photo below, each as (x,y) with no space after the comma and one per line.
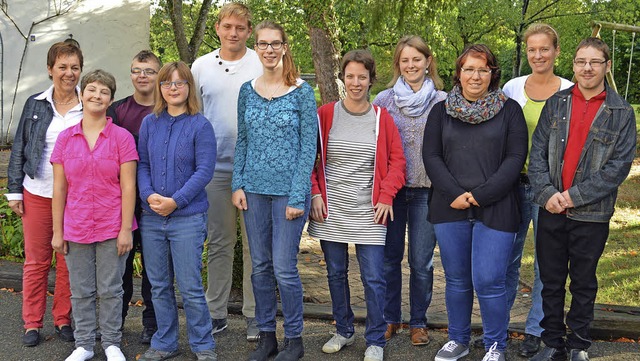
(48,96)
(77,129)
(577,93)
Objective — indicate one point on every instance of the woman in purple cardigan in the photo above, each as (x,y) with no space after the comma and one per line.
(177,148)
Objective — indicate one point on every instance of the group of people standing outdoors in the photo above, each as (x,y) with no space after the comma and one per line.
(240,134)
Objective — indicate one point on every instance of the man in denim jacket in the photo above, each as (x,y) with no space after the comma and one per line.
(582,150)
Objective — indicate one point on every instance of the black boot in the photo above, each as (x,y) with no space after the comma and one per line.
(550,354)
(267,346)
(293,350)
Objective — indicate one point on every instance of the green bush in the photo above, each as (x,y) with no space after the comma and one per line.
(12,244)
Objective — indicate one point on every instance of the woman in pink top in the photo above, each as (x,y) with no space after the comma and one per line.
(94,170)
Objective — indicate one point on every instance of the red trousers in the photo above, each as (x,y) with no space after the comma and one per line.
(37,224)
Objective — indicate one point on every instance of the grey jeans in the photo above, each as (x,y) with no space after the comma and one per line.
(222,228)
(95,271)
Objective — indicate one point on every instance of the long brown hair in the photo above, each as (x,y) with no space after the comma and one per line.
(420,45)
(193,106)
(289,72)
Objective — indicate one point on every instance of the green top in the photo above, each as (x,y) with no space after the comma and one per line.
(532,110)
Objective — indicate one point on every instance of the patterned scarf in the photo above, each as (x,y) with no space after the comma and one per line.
(474,112)
(413,104)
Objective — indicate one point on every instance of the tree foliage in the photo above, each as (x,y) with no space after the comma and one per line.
(447,26)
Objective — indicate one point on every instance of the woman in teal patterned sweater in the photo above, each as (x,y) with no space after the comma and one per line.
(274,156)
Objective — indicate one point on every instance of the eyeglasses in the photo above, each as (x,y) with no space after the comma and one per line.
(481,72)
(178,83)
(594,63)
(147,71)
(275,45)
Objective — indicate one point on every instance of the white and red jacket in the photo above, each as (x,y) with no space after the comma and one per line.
(390,165)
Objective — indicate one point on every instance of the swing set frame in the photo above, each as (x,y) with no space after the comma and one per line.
(596,26)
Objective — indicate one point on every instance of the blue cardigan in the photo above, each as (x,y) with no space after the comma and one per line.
(177,159)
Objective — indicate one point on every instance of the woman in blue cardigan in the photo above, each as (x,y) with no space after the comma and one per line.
(177,149)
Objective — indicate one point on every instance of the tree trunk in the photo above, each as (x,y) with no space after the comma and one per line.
(517,62)
(326,64)
(517,66)
(325,48)
(188,50)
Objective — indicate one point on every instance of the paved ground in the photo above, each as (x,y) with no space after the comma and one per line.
(314,278)
(231,344)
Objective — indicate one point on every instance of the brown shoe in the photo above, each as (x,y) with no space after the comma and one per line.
(392,329)
(419,336)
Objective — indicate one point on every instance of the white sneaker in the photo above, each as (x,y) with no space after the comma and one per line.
(493,354)
(80,354)
(337,342)
(114,354)
(374,353)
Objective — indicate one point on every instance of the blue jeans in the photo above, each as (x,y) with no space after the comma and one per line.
(528,213)
(274,243)
(475,256)
(173,248)
(370,257)
(411,207)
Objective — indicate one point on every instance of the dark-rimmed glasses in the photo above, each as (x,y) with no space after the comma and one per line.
(275,45)
(178,83)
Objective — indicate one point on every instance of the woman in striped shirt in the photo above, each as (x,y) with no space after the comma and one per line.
(361,168)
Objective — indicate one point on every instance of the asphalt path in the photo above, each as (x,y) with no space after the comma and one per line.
(232,345)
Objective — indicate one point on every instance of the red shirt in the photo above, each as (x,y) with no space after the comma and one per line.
(582,114)
(93,212)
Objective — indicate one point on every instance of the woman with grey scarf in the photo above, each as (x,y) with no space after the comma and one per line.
(414,90)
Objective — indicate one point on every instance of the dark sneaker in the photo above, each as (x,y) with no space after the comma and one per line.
(293,350)
(219,324)
(530,346)
(31,338)
(493,354)
(207,355)
(156,355)
(65,333)
(267,346)
(478,342)
(452,351)
(578,355)
(550,354)
(147,334)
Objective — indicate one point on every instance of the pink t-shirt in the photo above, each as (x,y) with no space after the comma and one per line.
(93,211)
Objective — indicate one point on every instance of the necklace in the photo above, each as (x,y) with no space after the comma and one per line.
(61,103)
(264,84)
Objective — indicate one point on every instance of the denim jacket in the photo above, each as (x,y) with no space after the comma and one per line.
(29,142)
(604,163)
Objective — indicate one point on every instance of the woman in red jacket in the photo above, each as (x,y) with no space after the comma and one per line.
(361,168)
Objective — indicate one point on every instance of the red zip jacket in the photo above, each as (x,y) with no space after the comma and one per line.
(390,164)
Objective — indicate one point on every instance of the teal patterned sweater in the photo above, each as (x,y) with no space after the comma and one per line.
(276,147)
